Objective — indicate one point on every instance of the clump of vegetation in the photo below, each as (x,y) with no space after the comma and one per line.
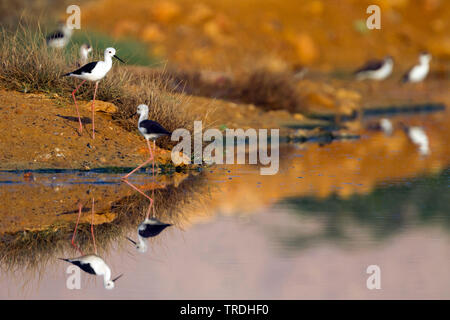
(266,89)
(27,64)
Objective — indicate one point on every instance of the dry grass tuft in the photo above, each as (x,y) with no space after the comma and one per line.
(266,89)
(27,64)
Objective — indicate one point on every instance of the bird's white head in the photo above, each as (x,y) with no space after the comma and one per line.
(111,53)
(142,109)
(141,246)
(110,283)
(85,48)
(425,57)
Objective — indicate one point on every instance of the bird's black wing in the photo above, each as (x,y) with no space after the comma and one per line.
(371,65)
(152,230)
(153,127)
(86,267)
(87,68)
(55,35)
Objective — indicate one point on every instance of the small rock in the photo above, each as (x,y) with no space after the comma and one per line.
(101,106)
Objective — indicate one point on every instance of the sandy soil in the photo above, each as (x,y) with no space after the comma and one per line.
(41,132)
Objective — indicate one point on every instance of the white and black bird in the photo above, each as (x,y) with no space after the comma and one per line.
(147,229)
(85,49)
(60,37)
(419,72)
(95,265)
(151,130)
(375,69)
(384,125)
(418,136)
(93,71)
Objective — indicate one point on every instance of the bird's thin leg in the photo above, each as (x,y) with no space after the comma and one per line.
(153,172)
(153,159)
(143,164)
(93,110)
(80,206)
(76,105)
(92,226)
(143,193)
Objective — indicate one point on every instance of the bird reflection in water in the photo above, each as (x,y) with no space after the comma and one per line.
(150,227)
(91,263)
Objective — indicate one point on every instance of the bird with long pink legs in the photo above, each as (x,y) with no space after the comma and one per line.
(150,227)
(92,263)
(93,71)
(151,130)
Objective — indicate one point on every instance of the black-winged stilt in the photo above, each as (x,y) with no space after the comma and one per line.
(150,227)
(418,136)
(418,72)
(93,71)
(60,37)
(92,263)
(151,130)
(384,125)
(85,49)
(375,69)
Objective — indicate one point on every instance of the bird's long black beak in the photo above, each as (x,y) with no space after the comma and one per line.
(118,59)
(134,242)
(118,277)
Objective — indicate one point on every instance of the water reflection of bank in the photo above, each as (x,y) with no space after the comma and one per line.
(37,248)
(388,210)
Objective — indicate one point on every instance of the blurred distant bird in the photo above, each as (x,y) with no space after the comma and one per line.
(93,71)
(375,69)
(419,72)
(417,136)
(85,49)
(384,125)
(60,37)
(299,72)
(148,228)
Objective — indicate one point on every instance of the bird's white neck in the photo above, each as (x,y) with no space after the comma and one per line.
(142,241)
(66,30)
(424,62)
(108,60)
(106,275)
(143,116)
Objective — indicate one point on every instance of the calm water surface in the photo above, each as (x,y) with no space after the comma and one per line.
(308,232)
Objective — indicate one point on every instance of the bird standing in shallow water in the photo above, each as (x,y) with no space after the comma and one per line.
(92,263)
(151,130)
(93,71)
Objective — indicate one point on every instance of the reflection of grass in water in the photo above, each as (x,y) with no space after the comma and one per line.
(32,252)
(384,212)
